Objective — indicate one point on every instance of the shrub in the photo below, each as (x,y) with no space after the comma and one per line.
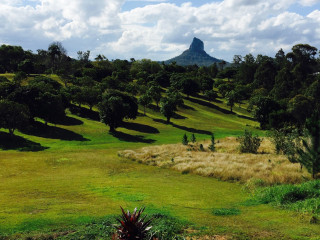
(132,225)
(185,140)
(193,138)
(212,145)
(201,148)
(249,143)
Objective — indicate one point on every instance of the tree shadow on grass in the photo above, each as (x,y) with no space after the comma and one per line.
(154,107)
(184,106)
(139,127)
(84,112)
(210,105)
(246,117)
(225,111)
(69,121)
(205,98)
(131,138)
(13,142)
(41,130)
(178,116)
(188,129)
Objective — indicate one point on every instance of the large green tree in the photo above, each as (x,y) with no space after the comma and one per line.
(116,106)
(13,115)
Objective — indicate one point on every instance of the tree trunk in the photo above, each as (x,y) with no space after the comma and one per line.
(11,131)
(168,119)
(144,110)
(112,129)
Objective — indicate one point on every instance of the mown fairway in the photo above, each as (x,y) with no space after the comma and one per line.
(79,177)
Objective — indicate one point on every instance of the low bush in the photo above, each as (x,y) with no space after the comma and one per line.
(249,143)
(304,197)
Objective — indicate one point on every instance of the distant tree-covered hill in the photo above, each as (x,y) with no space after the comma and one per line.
(194,55)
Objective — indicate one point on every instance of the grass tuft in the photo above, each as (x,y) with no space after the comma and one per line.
(226,211)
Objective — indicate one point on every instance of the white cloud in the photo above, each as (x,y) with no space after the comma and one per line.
(308,3)
(160,30)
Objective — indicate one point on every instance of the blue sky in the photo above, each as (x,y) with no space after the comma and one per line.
(160,30)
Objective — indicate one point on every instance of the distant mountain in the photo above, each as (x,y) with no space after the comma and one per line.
(194,55)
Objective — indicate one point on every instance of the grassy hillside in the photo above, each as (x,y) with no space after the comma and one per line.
(75,176)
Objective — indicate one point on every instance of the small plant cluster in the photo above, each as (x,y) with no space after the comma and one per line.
(249,143)
(193,139)
(132,226)
(135,227)
(304,197)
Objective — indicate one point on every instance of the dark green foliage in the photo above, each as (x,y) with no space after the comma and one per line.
(193,138)
(265,74)
(13,115)
(211,95)
(226,211)
(42,100)
(301,108)
(232,98)
(309,154)
(26,66)
(145,100)
(116,106)
(201,148)
(133,225)
(264,107)
(212,146)
(249,143)
(285,141)
(19,77)
(155,92)
(206,83)
(7,88)
(168,107)
(10,57)
(185,140)
(90,96)
(224,88)
(3,79)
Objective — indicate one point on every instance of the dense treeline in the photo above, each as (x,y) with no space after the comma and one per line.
(281,91)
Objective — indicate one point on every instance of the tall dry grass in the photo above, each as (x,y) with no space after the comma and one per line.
(226,163)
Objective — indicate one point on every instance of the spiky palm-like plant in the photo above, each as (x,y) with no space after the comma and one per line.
(133,226)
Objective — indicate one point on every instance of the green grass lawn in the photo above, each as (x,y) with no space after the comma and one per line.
(79,177)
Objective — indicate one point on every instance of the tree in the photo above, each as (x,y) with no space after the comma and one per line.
(185,140)
(206,83)
(13,115)
(90,96)
(264,107)
(19,77)
(212,146)
(265,74)
(309,154)
(193,138)
(155,92)
(232,98)
(57,55)
(211,95)
(168,107)
(301,108)
(116,106)
(145,100)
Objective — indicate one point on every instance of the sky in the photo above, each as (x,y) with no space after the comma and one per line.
(160,29)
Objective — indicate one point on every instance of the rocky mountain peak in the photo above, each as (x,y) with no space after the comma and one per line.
(196,45)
